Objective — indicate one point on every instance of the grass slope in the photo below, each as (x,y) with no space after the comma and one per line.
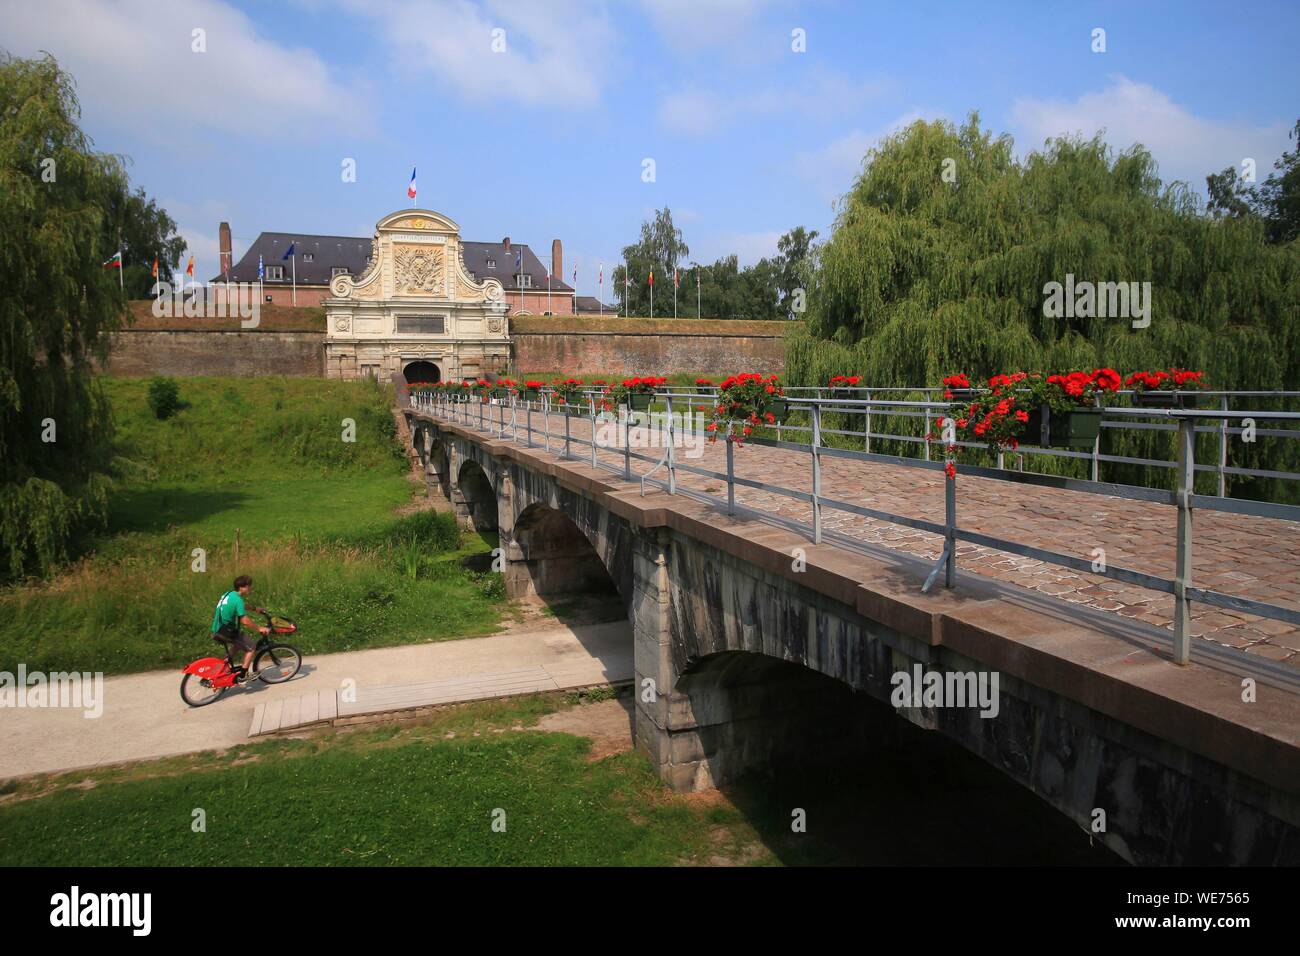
(317,530)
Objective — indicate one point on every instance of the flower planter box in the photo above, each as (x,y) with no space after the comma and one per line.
(844,393)
(1155,398)
(1075,429)
(779,408)
(501,393)
(530,394)
(963,394)
(639,401)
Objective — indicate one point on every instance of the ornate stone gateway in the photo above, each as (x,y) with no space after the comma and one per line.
(416,309)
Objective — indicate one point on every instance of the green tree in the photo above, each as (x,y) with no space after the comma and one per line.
(57,203)
(926,274)
(660,248)
(148,233)
(1276,201)
(794,263)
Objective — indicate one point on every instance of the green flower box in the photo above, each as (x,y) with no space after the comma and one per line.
(1074,429)
(639,401)
(779,408)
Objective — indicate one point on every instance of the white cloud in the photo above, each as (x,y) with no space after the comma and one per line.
(135,68)
(833,167)
(556,54)
(1186,146)
(823,96)
(695,26)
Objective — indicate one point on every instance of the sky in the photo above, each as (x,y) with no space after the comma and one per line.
(543,119)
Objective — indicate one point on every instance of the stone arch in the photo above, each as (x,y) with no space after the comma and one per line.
(750,711)
(551,554)
(479,495)
(421,371)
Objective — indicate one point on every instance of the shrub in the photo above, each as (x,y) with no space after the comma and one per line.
(164,397)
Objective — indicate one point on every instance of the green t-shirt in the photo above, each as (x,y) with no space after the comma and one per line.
(229,610)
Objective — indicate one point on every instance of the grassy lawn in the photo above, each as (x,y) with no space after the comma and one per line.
(419,795)
(318,528)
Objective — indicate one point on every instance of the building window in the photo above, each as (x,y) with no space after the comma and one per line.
(338,271)
(524,280)
(421,324)
(308,257)
(275,273)
(491,263)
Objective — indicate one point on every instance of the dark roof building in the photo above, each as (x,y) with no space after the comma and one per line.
(319,258)
(590,305)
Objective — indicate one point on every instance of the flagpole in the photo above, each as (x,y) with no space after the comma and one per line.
(295,277)
(697,292)
(674,293)
(600,290)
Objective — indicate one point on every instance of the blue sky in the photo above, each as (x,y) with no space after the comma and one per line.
(549,137)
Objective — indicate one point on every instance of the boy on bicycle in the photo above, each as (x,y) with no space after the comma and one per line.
(230,613)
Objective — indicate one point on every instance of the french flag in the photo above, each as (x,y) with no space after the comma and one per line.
(410,187)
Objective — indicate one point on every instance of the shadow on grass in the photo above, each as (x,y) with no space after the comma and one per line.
(153,510)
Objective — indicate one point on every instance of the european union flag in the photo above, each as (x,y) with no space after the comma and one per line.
(288,252)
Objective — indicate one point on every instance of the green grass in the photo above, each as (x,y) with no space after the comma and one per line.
(379,797)
(317,527)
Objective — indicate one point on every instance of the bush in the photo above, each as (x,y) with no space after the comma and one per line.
(164,397)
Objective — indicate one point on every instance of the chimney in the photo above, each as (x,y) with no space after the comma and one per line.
(223,244)
(557,260)
(506,243)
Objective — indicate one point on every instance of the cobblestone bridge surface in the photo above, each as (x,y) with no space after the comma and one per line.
(1239,555)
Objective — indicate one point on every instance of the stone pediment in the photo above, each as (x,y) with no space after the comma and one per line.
(416,254)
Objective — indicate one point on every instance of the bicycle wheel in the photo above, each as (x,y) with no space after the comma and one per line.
(278,663)
(198,691)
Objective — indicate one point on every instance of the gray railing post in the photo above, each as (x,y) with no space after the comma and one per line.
(1183,556)
(927,429)
(950,525)
(731,473)
(528,421)
(866,429)
(591,399)
(672,458)
(1096,447)
(815,449)
(567,419)
(546,420)
(626,413)
(1223,448)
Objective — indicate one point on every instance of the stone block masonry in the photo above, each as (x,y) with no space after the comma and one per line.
(140,354)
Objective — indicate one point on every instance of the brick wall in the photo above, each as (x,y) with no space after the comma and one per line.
(589,345)
(138,354)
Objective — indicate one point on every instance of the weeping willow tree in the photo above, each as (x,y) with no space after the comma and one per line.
(57,306)
(944,245)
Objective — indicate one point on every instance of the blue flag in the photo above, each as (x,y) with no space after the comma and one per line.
(259,266)
(519,260)
(288,252)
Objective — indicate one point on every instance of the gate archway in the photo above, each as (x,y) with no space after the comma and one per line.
(421,371)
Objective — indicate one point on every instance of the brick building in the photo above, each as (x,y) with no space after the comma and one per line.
(318,259)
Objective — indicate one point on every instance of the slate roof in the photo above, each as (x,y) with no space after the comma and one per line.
(353,253)
(589,303)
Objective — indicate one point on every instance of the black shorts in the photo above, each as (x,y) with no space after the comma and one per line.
(234,638)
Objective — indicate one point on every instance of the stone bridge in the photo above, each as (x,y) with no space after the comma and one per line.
(753,645)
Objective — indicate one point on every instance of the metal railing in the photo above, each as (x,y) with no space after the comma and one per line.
(492,417)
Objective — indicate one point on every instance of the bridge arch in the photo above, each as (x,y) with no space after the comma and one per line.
(551,555)
(478,493)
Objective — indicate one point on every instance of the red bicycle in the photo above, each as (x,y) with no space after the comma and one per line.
(274,662)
